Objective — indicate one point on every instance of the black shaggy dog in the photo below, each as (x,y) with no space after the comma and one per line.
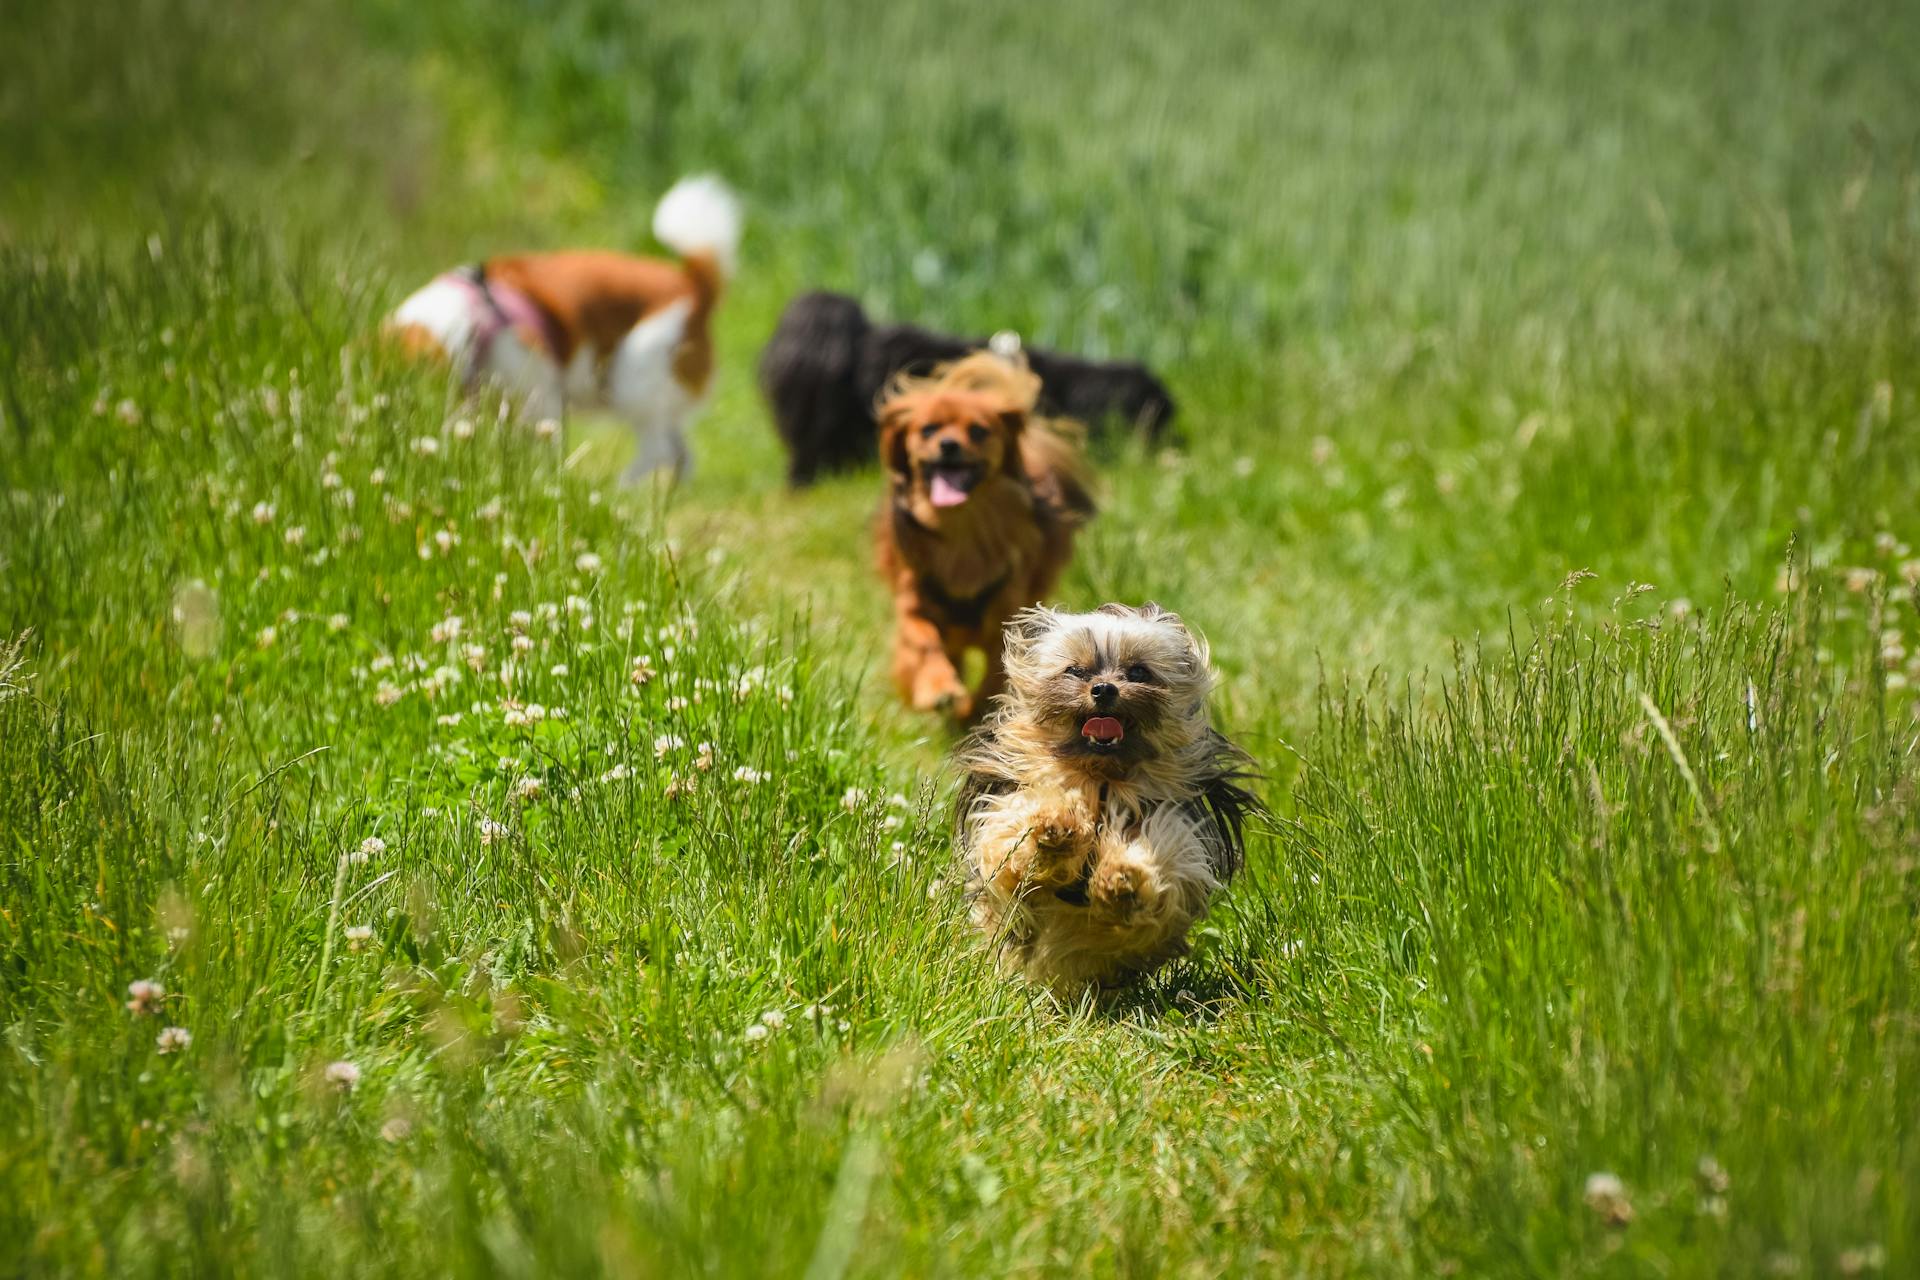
(826,365)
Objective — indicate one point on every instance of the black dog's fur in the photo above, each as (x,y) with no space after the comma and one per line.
(826,365)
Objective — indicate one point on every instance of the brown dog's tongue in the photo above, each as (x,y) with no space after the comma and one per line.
(1103,729)
(944,492)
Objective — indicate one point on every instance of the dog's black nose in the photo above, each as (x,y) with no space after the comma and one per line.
(1105,695)
(949,449)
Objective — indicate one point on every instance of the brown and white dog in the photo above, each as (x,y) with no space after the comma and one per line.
(983,498)
(589,328)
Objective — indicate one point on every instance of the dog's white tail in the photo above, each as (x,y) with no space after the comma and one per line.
(700,217)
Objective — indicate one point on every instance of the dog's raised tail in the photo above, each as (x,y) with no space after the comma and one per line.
(699,219)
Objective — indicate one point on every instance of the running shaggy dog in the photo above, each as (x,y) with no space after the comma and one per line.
(1099,810)
(587,328)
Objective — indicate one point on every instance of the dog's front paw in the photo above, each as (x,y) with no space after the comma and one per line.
(1119,889)
(947,697)
(1058,833)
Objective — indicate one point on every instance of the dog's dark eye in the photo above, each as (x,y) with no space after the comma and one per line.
(929,431)
(1140,673)
(977,433)
(1076,673)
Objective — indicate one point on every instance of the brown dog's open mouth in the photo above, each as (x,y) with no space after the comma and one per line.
(1104,732)
(949,483)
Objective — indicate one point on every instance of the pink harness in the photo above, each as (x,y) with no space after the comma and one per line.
(496,309)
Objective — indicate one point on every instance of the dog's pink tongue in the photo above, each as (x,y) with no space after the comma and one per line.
(1103,729)
(944,492)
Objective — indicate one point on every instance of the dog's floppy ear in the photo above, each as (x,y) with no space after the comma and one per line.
(895,414)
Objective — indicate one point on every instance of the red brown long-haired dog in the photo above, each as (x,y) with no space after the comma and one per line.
(983,499)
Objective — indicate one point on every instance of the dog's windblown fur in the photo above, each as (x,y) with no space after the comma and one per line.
(1099,810)
(983,498)
(826,364)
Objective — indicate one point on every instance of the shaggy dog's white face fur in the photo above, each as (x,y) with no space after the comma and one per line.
(1100,811)
(1119,695)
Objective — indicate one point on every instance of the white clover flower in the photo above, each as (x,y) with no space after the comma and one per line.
(447,629)
(377,477)
(523,644)
(263,512)
(756,1032)
(396,1130)
(578,604)
(425,447)
(749,775)
(173,1040)
(295,535)
(559,671)
(774,1018)
(144,995)
(338,622)
(489,512)
(588,562)
(381,662)
(616,773)
(529,788)
(342,1075)
(892,822)
(678,786)
(128,412)
(1606,1195)
(267,636)
(853,799)
(642,670)
(330,480)
(535,713)
(667,742)
(446,540)
(463,429)
(677,703)
(387,694)
(358,936)
(546,428)
(703,761)
(475,656)
(491,831)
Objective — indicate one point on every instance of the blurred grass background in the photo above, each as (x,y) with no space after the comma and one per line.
(1614,877)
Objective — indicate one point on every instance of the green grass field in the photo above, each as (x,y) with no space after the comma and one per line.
(1550,379)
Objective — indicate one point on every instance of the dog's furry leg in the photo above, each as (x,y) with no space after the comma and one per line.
(925,671)
(1151,884)
(1028,841)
